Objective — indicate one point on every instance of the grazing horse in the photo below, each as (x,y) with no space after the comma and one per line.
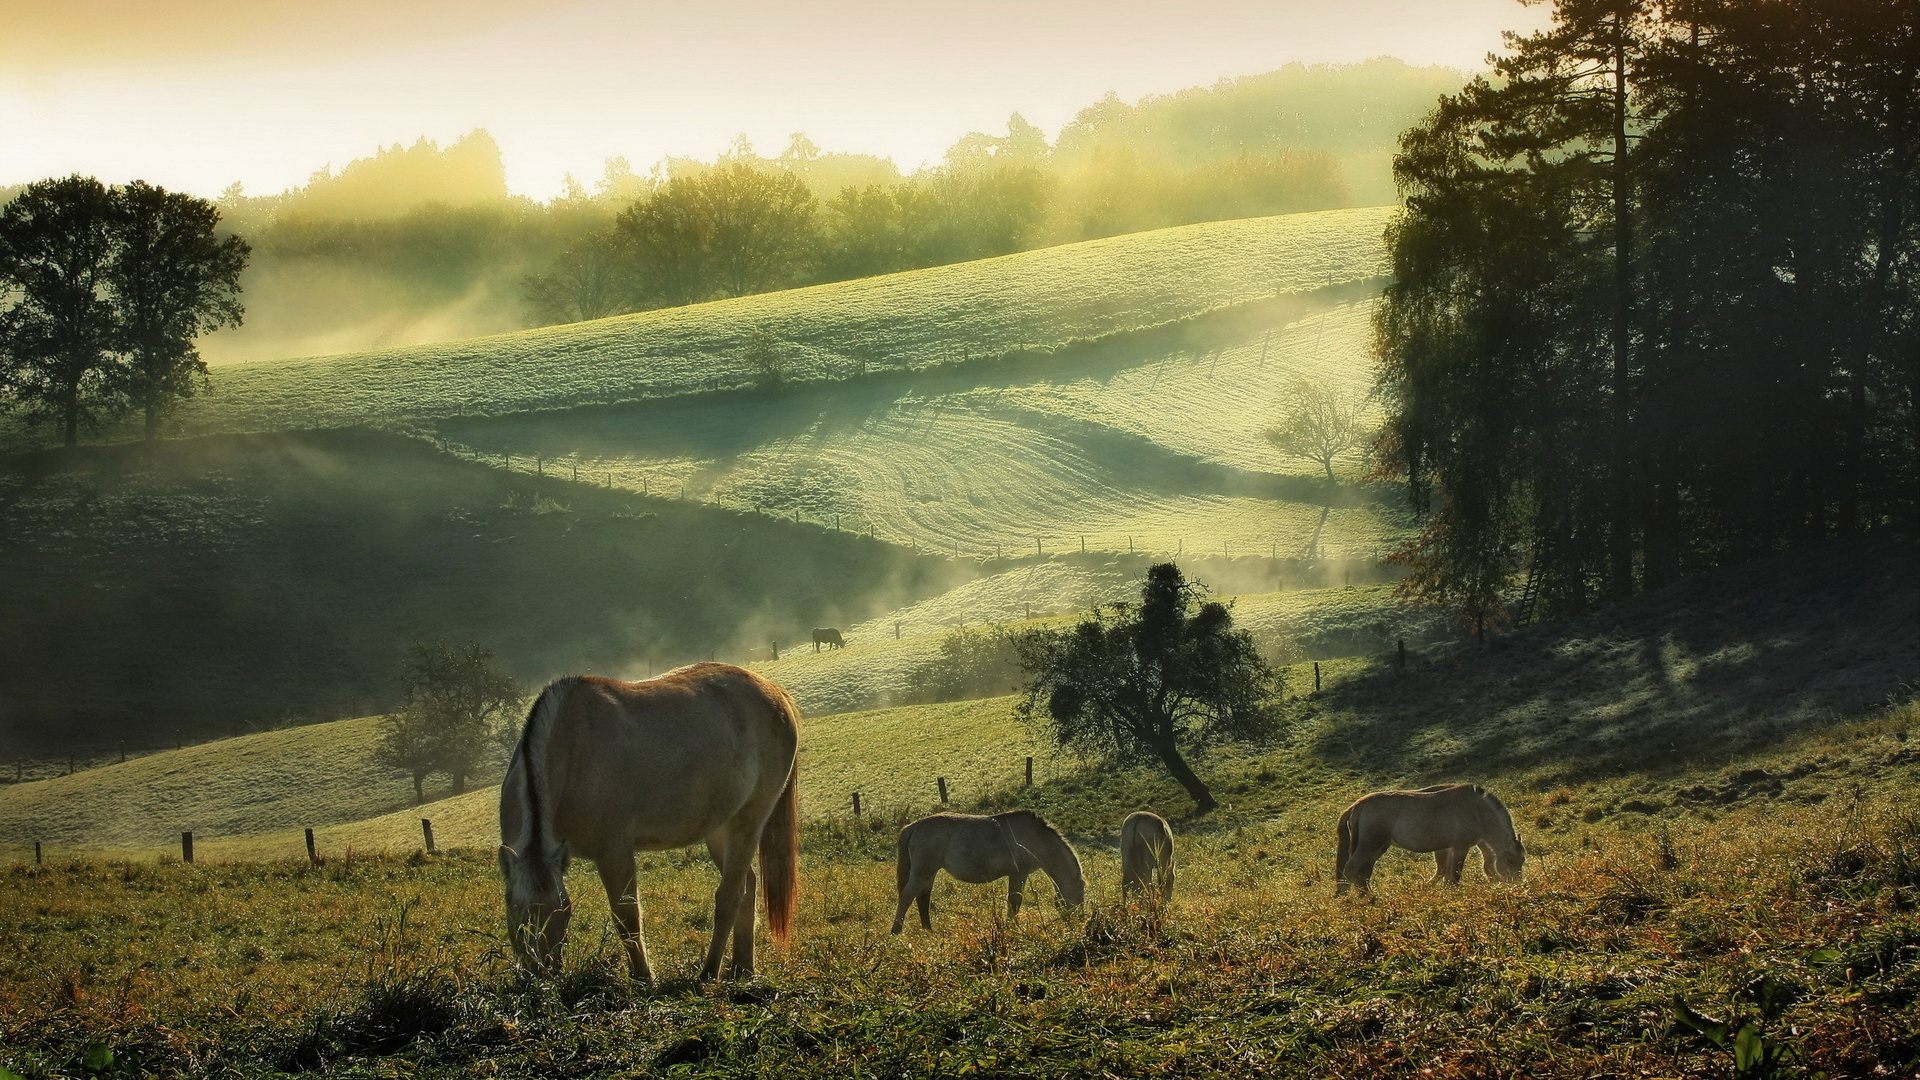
(1146,856)
(828,636)
(981,849)
(604,768)
(1445,819)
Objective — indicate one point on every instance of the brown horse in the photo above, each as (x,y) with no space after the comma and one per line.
(981,849)
(828,636)
(606,768)
(1446,819)
(1146,856)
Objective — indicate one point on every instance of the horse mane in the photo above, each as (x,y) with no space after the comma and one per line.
(1023,814)
(532,754)
(1499,808)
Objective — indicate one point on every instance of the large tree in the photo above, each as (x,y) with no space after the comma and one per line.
(173,278)
(1158,680)
(58,329)
(1654,297)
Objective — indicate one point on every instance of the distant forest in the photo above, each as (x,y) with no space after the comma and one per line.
(1656,299)
(424,242)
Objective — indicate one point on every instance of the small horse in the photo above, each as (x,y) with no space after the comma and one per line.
(1146,856)
(1445,819)
(603,768)
(981,849)
(828,636)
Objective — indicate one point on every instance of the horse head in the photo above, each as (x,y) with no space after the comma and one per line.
(1505,861)
(538,908)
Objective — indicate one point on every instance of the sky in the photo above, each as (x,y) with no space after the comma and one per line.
(197,94)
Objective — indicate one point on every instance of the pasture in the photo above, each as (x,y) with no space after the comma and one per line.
(1784,928)
(1029,303)
(1701,890)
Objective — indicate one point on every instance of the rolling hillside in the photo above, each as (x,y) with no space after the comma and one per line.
(1031,301)
(244,581)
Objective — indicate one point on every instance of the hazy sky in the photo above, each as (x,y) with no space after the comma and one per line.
(196,94)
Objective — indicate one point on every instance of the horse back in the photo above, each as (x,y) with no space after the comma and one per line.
(1427,819)
(668,761)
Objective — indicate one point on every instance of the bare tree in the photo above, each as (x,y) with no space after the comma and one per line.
(1319,423)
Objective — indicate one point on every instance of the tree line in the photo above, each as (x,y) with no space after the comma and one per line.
(748,224)
(103,293)
(1656,297)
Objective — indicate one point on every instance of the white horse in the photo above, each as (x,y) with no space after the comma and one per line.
(981,849)
(1146,856)
(1445,819)
(605,768)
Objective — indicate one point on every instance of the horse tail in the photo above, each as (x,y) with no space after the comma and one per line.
(1345,850)
(780,847)
(780,860)
(902,860)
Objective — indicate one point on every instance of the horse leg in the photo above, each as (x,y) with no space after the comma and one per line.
(922,888)
(1016,889)
(734,855)
(1359,871)
(618,877)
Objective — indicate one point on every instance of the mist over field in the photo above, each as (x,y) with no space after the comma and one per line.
(956,441)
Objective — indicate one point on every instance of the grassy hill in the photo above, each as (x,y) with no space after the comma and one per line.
(1027,302)
(1723,859)
(244,581)
(1151,443)
(250,796)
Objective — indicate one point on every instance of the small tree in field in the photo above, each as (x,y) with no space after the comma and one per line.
(1153,681)
(1318,423)
(454,702)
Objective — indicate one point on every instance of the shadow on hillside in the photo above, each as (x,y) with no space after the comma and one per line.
(719,430)
(1690,675)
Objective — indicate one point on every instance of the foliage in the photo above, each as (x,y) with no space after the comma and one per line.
(455,707)
(765,359)
(58,327)
(105,291)
(972,662)
(1653,309)
(1151,681)
(173,279)
(590,279)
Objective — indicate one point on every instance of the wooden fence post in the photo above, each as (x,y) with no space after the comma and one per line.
(312,855)
(1403,654)
(426,830)
(1316,676)
(856,804)
(942,781)
(36,853)
(186,847)
(776,649)
(1029,770)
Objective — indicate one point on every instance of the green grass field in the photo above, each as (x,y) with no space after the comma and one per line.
(1035,300)
(1150,445)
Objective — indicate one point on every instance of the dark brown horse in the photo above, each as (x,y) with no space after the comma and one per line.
(828,636)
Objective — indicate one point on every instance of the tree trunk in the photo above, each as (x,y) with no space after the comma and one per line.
(459,783)
(1177,765)
(419,790)
(153,420)
(1621,554)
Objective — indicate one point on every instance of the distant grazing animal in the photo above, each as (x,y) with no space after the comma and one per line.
(1146,856)
(981,849)
(827,635)
(603,768)
(1445,819)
